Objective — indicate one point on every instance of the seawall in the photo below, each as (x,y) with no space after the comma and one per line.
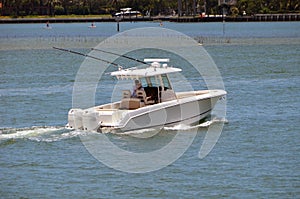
(253,18)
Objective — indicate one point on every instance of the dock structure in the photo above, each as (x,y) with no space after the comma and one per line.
(277,17)
(210,18)
(253,18)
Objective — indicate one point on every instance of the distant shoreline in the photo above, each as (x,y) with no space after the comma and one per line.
(254,18)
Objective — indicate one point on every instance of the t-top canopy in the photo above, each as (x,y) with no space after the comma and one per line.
(153,70)
(145,72)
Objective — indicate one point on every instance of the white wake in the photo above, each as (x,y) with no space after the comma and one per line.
(184,127)
(40,134)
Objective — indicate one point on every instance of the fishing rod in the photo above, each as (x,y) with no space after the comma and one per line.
(131,58)
(86,55)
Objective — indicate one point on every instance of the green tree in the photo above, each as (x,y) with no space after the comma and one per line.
(187,7)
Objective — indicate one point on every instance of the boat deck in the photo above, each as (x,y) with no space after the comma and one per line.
(135,103)
(181,95)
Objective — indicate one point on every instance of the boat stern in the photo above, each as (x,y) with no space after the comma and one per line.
(94,119)
(75,119)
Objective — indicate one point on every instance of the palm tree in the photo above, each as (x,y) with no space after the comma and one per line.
(51,4)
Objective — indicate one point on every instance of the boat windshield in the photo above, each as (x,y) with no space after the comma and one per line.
(156,81)
(166,81)
(144,82)
(152,81)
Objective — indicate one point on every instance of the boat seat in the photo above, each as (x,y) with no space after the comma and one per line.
(130,103)
(143,97)
(126,94)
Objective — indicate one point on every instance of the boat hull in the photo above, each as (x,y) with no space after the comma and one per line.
(188,108)
(172,114)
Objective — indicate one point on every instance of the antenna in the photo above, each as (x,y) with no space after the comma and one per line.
(86,55)
(131,58)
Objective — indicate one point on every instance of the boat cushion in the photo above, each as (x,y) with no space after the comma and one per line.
(130,103)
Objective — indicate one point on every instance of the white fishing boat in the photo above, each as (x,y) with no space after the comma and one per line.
(127,12)
(155,106)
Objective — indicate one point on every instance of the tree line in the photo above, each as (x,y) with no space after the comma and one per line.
(18,8)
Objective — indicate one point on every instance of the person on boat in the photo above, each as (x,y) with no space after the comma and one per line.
(137,87)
